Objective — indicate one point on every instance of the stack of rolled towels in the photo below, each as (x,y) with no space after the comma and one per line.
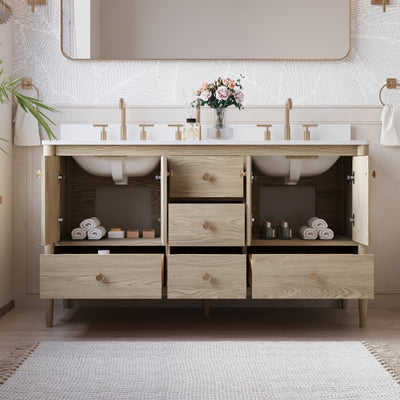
(316,228)
(90,228)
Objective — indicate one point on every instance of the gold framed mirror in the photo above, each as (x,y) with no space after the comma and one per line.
(206,29)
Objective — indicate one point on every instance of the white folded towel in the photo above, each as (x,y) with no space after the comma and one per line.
(78,234)
(390,134)
(308,233)
(326,234)
(96,233)
(88,223)
(26,129)
(317,223)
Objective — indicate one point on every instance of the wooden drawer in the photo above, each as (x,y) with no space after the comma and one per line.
(312,276)
(206,224)
(207,276)
(206,176)
(126,276)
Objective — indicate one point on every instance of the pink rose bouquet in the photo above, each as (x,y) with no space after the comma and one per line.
(220,94)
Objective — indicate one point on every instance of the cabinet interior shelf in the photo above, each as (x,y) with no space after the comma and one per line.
(339,240)
(111,242)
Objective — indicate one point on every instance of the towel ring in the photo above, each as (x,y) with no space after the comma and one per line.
(391,84)
(26,84)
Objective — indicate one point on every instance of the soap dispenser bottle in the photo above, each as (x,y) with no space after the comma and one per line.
(285,231)
(267,231)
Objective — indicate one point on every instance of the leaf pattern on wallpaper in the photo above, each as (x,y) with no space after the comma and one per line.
(356,80)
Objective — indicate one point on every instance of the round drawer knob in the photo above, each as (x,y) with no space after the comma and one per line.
(100,277)
(207,226)
(314,277)
(39,173)
(206,176)
(207,277)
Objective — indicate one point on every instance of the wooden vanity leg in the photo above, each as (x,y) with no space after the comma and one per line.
(49,312)
(362,312)
(67,303)
(206,308)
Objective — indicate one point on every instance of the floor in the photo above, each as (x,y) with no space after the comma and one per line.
(26,325)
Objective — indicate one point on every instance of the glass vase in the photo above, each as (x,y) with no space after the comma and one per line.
(220,131)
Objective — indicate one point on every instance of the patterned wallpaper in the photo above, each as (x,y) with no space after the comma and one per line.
(356,80)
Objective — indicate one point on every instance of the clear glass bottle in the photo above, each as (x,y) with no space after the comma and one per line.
(191,131)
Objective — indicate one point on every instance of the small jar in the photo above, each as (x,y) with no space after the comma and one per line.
(191,131)
(284,231)
(267,231)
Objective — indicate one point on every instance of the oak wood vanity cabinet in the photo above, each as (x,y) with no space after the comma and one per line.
(206,209)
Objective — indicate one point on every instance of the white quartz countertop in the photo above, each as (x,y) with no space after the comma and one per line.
(205,143)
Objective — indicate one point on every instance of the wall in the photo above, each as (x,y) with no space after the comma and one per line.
(356,80)
(6,208)
(353,81)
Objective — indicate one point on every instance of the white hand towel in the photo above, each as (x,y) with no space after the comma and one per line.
(326,234)
(308,233)
(26,129)
(317,223)
(390,134)
(78,234)
(89,223)
(96,233)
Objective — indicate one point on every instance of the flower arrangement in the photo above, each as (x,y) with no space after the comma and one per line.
(221,93)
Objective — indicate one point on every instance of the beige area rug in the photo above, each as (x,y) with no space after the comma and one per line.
(199,370)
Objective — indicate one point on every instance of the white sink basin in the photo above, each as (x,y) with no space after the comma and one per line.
(119,168)
(292,169)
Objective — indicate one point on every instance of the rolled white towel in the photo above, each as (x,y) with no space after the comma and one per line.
(308,233)
(78,234)
(89,223)
(326,234)
(96,233)
(317,223)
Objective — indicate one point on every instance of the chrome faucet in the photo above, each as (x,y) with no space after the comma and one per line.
(122,106)
(288,106)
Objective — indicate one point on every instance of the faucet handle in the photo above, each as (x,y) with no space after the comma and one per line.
(267,133)
(103,131)
(307,133)
(178,133)
(143,134)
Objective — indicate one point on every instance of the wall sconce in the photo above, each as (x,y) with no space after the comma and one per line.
(382,3)
(34,3)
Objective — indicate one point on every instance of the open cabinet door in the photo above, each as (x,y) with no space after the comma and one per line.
(50,200)
(164,200)
(361,189)
(249,182)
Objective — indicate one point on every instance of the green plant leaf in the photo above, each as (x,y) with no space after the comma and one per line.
(31,105)
(28,104)
(1,149)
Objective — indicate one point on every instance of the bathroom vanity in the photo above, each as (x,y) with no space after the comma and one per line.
(206,204)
